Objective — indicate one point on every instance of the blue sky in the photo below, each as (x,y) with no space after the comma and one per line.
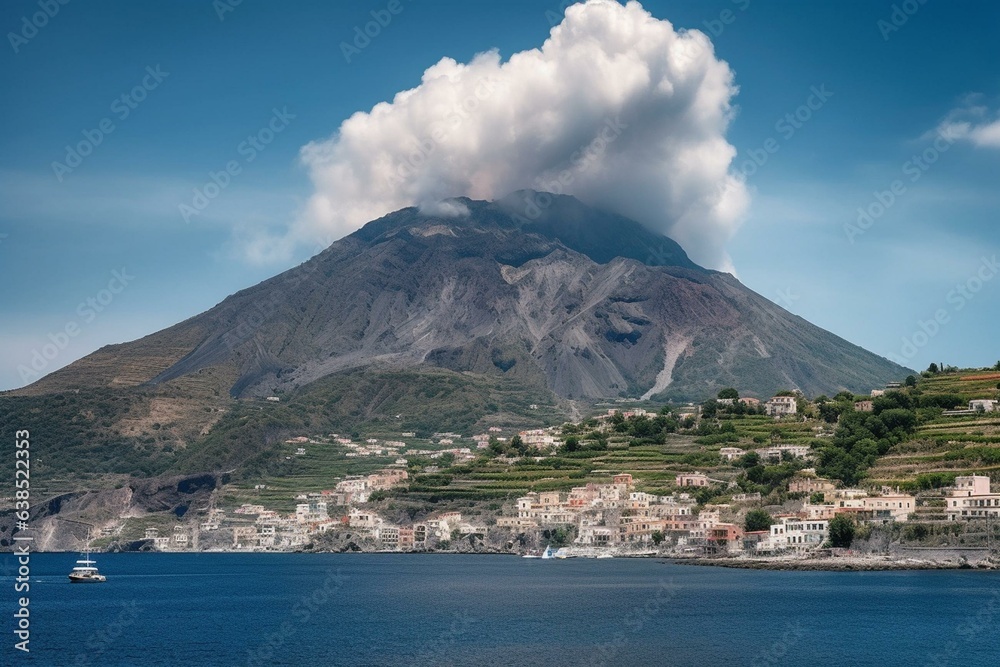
(916,283)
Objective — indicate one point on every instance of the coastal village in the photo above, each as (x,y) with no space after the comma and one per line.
(609,517)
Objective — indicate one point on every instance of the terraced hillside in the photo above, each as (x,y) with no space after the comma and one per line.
(945,446)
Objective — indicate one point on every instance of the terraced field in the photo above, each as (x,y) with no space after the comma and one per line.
(655,466)
(940,448)
(948,445)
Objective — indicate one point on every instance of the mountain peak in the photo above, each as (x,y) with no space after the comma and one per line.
(600,235)
(533,290)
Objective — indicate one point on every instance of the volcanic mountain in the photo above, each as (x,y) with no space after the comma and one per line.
(573,301)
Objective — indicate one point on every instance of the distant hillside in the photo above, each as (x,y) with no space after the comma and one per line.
(456,321)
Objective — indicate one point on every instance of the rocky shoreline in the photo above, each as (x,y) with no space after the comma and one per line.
(835,564)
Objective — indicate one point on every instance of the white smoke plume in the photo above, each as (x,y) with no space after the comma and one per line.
(616,107)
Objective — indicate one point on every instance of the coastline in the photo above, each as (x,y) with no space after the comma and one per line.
(858,564)
(839,564)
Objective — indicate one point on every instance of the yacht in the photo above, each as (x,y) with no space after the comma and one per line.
(549,553)
(85,571)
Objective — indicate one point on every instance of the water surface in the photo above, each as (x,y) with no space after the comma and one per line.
(387,609)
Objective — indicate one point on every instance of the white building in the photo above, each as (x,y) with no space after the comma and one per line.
(795,534)
(971,498)
(891,506)
(363,520)
(777,452)
(313,511)
(731,453)
(779,406)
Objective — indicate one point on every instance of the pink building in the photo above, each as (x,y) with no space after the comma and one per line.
(691,479)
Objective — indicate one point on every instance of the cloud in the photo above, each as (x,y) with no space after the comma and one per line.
(973,123)
(616,107)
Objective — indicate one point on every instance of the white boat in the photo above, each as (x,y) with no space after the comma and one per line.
(549,553)
(85,571)
(605,556)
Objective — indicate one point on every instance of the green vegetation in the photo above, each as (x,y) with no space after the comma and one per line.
(424,402)
(100,438)
(862,437)
(76,433)
(842,531)
(757,519)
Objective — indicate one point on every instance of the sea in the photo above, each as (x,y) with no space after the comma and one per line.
(497,611)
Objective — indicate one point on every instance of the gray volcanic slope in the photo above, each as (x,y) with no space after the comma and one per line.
(583,302)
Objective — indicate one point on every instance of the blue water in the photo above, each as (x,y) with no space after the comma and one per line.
(379,609)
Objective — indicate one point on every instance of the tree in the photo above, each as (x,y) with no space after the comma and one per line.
(817,498)
(657,537)
(996,366)
(729,392)
(933,368)
(910,381)
(841,531)
(572,444)
(756,520)
(830,412)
